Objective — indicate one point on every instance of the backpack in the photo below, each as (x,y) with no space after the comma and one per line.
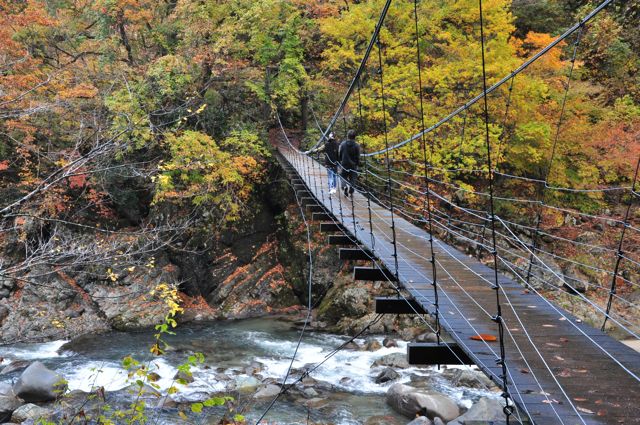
(350,155)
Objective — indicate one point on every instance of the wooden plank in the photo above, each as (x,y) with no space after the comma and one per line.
(340,240)
(321,216)
(354,254)
(390,305)
(431,353)
(373,274)
(315,208)
(330,226)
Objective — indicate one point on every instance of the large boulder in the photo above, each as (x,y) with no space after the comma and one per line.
(37,384)
(398,360)
(484,410)
(8,402)
(409,402)
(29,412)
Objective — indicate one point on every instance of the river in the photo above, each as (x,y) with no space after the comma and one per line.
(236,354)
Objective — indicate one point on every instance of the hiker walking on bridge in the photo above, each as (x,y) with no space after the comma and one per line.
(331,161)
(349,153)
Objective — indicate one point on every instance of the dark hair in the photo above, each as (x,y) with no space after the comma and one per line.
(351,135)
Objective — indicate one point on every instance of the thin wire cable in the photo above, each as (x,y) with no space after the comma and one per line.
(619,255)
(491,89)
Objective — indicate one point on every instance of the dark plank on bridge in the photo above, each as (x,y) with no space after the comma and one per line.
(321,216)
(354,254)
(431,353)
(390,305)
(330,226)
(341,240)
(373,274)
(315,208)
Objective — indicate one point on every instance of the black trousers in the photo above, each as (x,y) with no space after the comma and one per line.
(349,180)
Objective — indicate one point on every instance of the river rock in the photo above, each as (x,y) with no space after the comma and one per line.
(398,360)
(145,391)
(4,312)
(389,342)
(8,402)
(421,420)
(316,403)
(438,421)
(484,410)
(268,391)
(37,383)
(246,383)
(408,402)
(467,378)
(388,374)
(427,337)
(382,420)
(15,366)
(372,345)
(166,402)
(29,411)
(310,393)
(181,376)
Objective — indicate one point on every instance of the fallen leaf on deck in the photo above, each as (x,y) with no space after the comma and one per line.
(584,410)
(484,337)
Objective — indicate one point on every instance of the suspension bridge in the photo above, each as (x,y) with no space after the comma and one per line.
(551,367)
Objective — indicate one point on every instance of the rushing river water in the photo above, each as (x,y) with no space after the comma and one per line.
(346,381)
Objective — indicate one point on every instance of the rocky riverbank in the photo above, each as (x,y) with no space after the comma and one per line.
(367,383)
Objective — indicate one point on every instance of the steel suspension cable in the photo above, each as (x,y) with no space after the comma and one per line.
(619,254)
(494,87)
(508,409)
(542,191)
(361,68)
(386,142)
(504,123)
(427,204)
(364,158)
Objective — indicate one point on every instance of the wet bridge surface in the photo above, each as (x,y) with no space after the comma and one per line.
(560,371)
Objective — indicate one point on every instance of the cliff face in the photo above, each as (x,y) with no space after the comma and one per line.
(258,268)
(235,273)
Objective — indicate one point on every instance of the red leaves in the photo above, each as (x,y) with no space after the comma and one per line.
(484,337)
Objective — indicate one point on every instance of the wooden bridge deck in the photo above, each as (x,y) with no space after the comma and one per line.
(576,365)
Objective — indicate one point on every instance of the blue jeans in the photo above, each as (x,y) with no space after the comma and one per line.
(333,178)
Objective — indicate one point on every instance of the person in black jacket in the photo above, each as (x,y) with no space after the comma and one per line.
(349,153)
(331,161)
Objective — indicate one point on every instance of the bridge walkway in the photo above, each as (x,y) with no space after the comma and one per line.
(551,356)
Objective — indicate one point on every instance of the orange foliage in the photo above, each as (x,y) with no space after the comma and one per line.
(81,91)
